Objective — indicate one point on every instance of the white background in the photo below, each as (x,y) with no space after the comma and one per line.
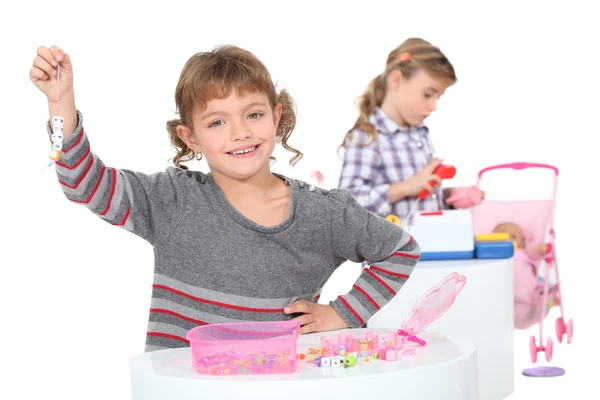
(76,291)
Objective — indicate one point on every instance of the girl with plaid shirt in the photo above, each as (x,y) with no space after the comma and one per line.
(389,157)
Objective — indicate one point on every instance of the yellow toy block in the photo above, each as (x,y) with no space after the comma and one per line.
(492,237)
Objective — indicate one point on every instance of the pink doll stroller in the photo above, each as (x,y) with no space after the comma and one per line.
(534,295)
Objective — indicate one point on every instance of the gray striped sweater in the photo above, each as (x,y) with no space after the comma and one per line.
(214,265)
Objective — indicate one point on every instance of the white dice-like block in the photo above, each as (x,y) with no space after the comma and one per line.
(58,124)
(326,362)
(336,362)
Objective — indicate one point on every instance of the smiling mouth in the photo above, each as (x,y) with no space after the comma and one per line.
(244,151)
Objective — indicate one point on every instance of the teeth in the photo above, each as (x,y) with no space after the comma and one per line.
(244,151)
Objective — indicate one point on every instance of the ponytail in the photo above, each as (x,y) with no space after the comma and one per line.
(371,98)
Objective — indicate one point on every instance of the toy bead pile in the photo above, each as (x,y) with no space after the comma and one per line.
(242,363)
(345,350)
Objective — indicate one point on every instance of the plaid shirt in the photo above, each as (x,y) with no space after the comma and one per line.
(396,155)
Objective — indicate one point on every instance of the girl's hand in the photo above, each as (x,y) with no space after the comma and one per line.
(421,180)
(44,73)
(316,317)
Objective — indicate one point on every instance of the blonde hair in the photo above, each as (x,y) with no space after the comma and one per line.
(213,75)
(421,55)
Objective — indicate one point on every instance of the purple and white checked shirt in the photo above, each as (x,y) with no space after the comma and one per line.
(396,155)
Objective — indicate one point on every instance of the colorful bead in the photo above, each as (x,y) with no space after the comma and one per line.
(350,360)
(235,362)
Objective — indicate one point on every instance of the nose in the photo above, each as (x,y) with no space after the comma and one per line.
(433,105)
(240,131)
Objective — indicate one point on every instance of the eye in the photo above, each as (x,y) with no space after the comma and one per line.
(216,123)
(428,95)
(254,115)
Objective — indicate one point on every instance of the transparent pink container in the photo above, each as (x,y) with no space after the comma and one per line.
(245,348)
(363,344)
(391,340)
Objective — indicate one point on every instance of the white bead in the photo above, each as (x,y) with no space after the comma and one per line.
(58,124)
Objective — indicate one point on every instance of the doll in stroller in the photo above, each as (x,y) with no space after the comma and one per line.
(530,225)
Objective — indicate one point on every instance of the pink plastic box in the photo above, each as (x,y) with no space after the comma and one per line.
(245,348)
(364,345)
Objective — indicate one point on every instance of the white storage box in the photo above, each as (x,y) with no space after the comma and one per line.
(444,235)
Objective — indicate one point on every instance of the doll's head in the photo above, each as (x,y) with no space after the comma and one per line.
(514,232)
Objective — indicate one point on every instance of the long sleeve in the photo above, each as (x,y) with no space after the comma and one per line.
(361,166)
(147,205)
(390,252)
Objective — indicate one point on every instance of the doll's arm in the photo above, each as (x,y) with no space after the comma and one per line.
(536,251)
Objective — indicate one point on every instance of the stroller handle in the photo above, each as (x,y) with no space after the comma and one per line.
(518,165)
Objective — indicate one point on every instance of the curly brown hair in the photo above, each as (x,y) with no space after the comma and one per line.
(213,75)
(423,56)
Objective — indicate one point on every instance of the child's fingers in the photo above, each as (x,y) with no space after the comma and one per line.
(436,179)
(427,187)
(43,65)
(36,74)
(56,53)
(65,61)
(305,319)
(300,306)
(432,165)
(308,328)
(47,55)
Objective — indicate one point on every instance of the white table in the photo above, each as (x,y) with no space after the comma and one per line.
(482,314)
(443,370)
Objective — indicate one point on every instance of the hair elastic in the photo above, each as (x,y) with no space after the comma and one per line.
(404,57)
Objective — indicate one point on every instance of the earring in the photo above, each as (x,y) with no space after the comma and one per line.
(199,156)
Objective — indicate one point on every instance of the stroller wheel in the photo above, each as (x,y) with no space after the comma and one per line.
(548,349)
(560,329)
(533,350)
(569,330)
